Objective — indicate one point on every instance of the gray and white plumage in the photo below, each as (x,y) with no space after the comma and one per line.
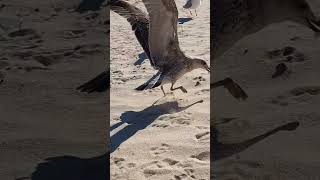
(234,19)
(164,47)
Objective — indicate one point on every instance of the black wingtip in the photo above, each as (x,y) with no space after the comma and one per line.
(141,87)
(98,84)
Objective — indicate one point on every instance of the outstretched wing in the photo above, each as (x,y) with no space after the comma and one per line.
(137,18)
(163,36)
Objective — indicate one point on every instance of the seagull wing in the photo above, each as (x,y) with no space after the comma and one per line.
(163,36)
(137,18)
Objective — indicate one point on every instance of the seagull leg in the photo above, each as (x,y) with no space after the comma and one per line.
(195,10)
(190,12)
(234,89)
(164,94)
(180,87)
(181,27)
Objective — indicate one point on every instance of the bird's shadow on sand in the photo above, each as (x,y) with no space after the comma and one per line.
(141,57)
(220,150)
(71,167)
(138,120)
(184,20)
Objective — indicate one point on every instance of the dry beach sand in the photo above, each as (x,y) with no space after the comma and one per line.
(273,102)
(166,140)
(41,114)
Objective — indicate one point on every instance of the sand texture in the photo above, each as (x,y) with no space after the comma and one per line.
(42,61)
(293,96)
(166,140)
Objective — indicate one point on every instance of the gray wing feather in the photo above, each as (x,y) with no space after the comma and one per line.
(163,38)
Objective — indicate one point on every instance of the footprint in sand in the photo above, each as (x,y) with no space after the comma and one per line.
(48,59)
(189,171)
(24,33)
(287,54)
(203,136)
(160,150)
(311,90)
(155,171)
(276,53)
(118,162)
(168,166)
(170,161)
(160,125)
(203,156)
(181,120)
(72,34)
(297,95)
(238,169)
(155,168)
(131,165)
(180,176)
(90,49)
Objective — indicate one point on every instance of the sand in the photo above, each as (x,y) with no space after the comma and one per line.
(41,114)
(163,141)
(273,102)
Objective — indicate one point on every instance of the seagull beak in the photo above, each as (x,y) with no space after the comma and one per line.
(208,69)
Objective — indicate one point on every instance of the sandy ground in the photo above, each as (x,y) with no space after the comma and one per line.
(272,102)
(41,114)
(164,141)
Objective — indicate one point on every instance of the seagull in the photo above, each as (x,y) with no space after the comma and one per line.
(140,25)
(227,14)
(165,51)
(192,4)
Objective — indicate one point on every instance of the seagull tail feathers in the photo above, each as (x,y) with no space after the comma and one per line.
(155,81)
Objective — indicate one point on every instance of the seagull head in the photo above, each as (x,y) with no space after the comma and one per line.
(199,63)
